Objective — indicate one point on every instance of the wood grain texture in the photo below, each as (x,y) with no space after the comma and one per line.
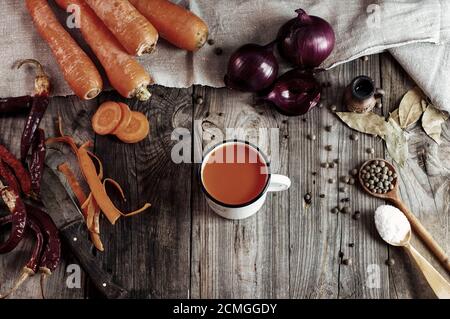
(149,254)
(424,187)
(247,258)
(181,249)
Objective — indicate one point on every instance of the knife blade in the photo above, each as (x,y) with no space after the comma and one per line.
(70,221)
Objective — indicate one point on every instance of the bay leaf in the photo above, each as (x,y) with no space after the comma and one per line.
(396,142)
(410,109)
(432,121)
(394,115)
(369,123)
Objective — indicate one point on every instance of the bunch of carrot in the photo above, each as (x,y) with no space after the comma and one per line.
(116,31)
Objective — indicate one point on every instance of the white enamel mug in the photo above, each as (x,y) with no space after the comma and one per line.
(274,183)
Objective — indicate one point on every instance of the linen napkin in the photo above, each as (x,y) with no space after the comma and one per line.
(410,28)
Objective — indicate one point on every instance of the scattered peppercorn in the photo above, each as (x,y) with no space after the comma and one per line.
(312,137)
(351,181)
(331,180)
(341,254)
(347,262)
(354,172)
(336,160)
(335,210)
(343,189)
(365,58)
(345,210)
(307,198)
(331,164)
(345,179)
(333,108)
(329,148)
(322,195)
(351,245)
(328,128)
(354,137)
(199,100)
(390,262)
(314,173)
(325,165)
(218,51)
(211,41)
(356,215)
(370,150)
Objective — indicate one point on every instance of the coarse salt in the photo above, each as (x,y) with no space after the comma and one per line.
(392,224)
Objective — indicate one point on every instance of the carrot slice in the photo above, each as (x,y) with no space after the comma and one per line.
(136,131)
(126,118)
(107,118)
(124,73)
(77,68)
(174,23)
(97,189)
(136,34)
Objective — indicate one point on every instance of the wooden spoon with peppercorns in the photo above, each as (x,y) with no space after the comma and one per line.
(373,180)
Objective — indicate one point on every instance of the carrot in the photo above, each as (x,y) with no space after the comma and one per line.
(174,23)
(126,118)
(136,131)
(77,68)
(107,118)
(131,28)
(124,73)
(98,190)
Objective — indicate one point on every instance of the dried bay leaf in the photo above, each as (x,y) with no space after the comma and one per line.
(410,109)
(432,121)
(369,123)
(396,142)
(394,115)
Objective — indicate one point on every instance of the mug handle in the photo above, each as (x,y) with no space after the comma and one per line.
(279,183)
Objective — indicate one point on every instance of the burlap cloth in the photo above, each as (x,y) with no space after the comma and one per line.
(416,32)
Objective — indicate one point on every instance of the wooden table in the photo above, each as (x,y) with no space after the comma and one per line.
(180,249)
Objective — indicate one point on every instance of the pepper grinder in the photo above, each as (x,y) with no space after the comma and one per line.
(361,95)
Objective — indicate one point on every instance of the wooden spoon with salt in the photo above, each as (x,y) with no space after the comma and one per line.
(416,225)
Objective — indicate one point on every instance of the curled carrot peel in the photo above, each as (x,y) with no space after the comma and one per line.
(65,169)
(93,179)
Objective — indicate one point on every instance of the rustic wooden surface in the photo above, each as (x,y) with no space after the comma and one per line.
(181,249)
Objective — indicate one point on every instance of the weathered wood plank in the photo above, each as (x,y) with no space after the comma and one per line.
(71,110)
(367,276)
(247,258)
(424,186)
(149,253)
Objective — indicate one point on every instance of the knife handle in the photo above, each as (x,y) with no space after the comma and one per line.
(77,236)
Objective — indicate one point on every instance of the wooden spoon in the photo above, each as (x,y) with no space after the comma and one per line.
(416,225)
(440,286)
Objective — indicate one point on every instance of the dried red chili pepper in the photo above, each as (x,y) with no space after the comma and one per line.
(21,173)
(8,177)
(15,104)
(38,108)
(18,215)
(33,263)
(51,256)
(37,161)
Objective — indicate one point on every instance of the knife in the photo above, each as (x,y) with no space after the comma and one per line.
(68,218)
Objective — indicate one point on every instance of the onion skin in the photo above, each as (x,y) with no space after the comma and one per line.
(252,68)
(306,41)
(294,93)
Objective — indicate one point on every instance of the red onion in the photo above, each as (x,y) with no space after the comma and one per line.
(294,93)
(252,68)
(306,40)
